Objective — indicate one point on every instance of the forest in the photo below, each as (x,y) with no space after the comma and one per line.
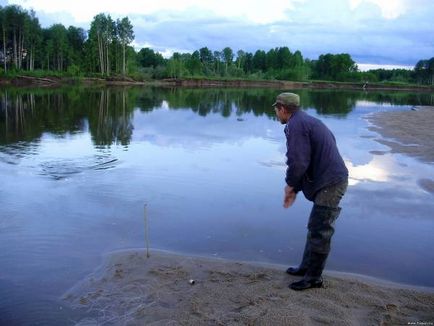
(105,50)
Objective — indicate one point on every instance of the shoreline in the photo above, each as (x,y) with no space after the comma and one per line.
(27,81)
(276,266)
(130,288)
(406,132)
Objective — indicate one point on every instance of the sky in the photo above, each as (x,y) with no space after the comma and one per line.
(389,33)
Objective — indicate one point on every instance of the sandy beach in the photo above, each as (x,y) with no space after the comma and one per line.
(408,132)
(131,289)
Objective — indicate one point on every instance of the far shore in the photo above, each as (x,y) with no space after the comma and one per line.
(27,81)
(170,289)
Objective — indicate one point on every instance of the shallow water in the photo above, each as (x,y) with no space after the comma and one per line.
(78,165)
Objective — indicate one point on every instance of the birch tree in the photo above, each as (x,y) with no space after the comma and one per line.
(126,36)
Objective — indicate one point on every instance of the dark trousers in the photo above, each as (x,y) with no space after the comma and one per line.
(322,219)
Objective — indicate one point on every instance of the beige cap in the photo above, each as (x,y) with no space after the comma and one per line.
(287,99)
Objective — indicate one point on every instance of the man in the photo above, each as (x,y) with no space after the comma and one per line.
(317,169)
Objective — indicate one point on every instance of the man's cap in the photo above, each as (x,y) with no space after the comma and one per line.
(287,99)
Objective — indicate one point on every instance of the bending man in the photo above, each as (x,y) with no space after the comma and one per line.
(317,169)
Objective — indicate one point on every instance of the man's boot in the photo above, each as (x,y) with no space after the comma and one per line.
(302,269)
(312,278)
(321,222)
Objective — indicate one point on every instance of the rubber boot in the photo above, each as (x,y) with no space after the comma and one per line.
(302,269)
(321,229)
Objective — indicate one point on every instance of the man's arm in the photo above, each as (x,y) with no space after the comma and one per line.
(290,196)
(298,156)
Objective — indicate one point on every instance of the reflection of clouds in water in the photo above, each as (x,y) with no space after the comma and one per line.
(187,129)
(363,104)
(376,170)
(273,163)
(391,169)
(164,105)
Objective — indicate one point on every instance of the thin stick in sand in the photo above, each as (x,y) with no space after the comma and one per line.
(146,231)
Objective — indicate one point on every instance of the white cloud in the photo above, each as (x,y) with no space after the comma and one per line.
(364,28)
(256,11)
(390,9)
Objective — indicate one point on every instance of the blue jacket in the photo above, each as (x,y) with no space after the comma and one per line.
(313,158)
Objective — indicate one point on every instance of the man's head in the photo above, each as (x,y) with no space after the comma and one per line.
(285,105)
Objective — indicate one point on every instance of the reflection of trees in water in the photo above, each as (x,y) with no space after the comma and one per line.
(401,98)
(228,102)
(114,119)
(204,101)
(26,114)
(16,114)
(330,102)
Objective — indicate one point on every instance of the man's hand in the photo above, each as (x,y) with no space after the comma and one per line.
(290,196)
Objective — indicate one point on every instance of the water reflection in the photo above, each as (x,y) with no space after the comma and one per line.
(108,112)
(372,171)
(76,166)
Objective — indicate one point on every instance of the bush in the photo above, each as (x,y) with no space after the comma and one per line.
(73,71)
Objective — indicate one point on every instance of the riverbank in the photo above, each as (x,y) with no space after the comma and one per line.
(408,132)
(50,81)
(132,289)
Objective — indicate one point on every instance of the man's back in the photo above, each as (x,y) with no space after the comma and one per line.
(313,158)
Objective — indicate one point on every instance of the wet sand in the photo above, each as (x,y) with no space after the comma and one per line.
(130,289)
(408,132)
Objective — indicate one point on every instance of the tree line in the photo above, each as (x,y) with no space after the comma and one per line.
(105,50)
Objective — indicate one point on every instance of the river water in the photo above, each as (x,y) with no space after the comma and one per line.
(78,165)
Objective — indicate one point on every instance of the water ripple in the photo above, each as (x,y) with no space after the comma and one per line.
(64,168)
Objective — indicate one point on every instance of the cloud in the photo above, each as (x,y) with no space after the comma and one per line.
(389,9)
(396,32)
(255,11)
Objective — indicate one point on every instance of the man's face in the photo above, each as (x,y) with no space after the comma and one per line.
(281,113)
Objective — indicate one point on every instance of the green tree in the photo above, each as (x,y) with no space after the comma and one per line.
(193,64)
(259,61)
(149,58)
(424,71)
(15,17)
(205,55)
(4,25)
(102,32)
(33,40)
(217,55)
(76,39)
(334,66)
(228,57)
(57,46)
(206,58)
(126,36)
(248,62)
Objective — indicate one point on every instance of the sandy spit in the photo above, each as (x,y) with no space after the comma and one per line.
(409,132)
(131,289)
